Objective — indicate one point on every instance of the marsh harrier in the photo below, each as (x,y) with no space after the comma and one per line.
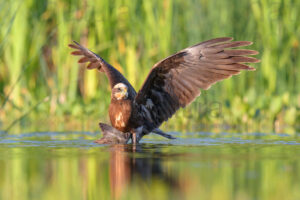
(172,83)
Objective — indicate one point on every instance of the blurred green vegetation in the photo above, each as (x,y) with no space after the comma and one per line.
(40,82)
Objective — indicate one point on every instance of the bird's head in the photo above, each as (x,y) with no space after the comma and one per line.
(119,91)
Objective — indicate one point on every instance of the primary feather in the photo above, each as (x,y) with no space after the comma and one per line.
(176,81)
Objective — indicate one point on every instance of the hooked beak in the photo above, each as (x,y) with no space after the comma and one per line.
(124,93)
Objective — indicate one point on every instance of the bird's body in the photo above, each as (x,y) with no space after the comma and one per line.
(126,116)
(171,84)
(120,114)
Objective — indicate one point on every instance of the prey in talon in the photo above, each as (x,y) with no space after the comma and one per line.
(112,135)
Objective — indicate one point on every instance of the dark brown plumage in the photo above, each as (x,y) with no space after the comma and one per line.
(171,84)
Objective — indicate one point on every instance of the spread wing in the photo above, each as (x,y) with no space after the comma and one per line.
(176,81)
(96,62)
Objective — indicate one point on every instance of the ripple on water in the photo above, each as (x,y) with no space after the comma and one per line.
(85,139)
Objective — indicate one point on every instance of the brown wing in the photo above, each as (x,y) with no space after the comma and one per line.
(96,62)
(176,81)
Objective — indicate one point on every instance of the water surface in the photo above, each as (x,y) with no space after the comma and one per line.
(62,165)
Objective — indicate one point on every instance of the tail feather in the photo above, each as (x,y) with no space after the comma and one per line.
(161,133)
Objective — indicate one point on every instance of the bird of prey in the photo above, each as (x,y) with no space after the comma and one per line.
(172,83)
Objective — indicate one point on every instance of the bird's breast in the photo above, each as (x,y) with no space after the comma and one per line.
(120,113)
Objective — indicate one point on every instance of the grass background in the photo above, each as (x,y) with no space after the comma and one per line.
(43,88)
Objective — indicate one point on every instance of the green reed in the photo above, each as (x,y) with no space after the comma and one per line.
(133,35)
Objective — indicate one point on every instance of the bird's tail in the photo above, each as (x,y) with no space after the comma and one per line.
(161,133)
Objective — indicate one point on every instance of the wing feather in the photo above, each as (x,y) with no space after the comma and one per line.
(176,81)
(96,62)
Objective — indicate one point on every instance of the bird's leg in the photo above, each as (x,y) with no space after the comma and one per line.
(136,135)
(133,138)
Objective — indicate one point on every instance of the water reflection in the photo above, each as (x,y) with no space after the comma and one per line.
(119,170)
(125,167)
(66,166)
